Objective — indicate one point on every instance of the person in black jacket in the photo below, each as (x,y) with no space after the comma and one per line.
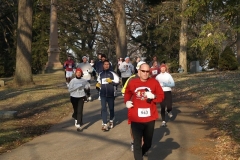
(107,82)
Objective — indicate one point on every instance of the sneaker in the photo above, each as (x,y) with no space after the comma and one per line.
(105,128)
(132,146)
(99,98)
(90,98)
(75,122)
(146,154)
(111,124)
(164,124)
(77,125)
(170,114)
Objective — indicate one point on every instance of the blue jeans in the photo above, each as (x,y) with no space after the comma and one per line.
(104,102)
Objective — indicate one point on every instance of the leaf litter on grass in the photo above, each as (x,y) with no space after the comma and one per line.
(217,94)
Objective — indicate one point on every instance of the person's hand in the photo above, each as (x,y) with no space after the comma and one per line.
(129,104)
(109,80)
(150,95)
(98,85)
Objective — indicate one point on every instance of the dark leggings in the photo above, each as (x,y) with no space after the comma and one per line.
(139,131)
(167,102)
(124,80)
(77,104)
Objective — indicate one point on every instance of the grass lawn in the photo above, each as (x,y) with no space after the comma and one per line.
(39,106)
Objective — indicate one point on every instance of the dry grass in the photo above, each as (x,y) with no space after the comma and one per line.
(217,95)
(39,106)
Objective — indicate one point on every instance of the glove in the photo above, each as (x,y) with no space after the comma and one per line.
(150,95)
(129,104)
(98,85)
(109,80)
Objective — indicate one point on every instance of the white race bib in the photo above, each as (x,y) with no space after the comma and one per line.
(104,81)
(154,72)
(144,112)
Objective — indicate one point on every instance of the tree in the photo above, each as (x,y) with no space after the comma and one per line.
(23,72)
(183,37)
(120,26)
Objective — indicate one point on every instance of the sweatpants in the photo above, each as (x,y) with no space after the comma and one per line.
(104,102)
(139,131)
(167,102)
(77,104)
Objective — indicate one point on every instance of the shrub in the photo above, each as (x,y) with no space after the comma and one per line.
(228,60)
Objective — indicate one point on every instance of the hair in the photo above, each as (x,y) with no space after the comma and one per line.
(103,55)
(106,61)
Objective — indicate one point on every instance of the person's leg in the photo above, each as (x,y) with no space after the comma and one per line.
(104,110)
(124,81)
(74,102)
(80,110)
(147,136)
(163,105)
(110,101)
(169,101)
(137,130)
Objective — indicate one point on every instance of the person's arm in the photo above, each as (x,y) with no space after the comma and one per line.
(125,85)
(170,82)
(128,93)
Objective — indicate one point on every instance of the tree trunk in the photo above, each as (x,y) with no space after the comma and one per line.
(120,26)
(23,72)
(238,40)
(183,37)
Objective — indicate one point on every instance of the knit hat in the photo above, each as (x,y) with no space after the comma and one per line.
(79,70)
(85,57)
(163,65)
(139,64)
(126,58)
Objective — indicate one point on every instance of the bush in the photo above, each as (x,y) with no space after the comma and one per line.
(228,60)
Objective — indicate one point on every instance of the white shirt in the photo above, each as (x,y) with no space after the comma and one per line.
(166,81)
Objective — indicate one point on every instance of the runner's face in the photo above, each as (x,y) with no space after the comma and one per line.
(78,74)
(163,69)
(144,72)
(84,60)
(106,65)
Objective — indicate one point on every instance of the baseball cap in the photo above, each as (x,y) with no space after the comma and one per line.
(139,64)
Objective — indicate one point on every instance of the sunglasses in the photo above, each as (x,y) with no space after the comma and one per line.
(144,71)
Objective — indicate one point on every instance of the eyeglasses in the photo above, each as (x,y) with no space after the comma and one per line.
(144,71)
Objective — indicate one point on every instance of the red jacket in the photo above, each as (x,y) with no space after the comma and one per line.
(142,111)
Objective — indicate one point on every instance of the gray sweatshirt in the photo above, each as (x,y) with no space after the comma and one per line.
(77,86)
(126,69)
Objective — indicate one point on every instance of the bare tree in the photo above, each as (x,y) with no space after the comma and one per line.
(23,73)
(183,37)
(120,26)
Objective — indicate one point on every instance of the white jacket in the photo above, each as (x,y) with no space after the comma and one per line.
(126,69)
(166,81)
(87,70)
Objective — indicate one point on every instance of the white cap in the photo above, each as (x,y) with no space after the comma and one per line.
(139,64)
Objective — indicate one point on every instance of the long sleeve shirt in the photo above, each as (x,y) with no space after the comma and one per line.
(126,69)
(166,81)
(77,86)
(142,111)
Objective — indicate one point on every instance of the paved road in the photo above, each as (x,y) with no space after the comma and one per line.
(184,138)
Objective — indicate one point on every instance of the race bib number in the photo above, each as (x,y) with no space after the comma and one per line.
(85,72)
(144,112)
(104,81)
(154,72)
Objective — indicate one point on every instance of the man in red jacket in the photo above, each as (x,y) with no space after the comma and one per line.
(141,96)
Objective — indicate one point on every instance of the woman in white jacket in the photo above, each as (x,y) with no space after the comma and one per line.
(78,88)
(166,81)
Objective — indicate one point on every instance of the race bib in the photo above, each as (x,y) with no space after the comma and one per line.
(69,66)
(85,73)
(154,72)
(104,81)
(144,112)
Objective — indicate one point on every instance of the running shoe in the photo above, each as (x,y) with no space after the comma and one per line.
(105,128)
(132,147)
(164,124)
(170,114)
(111,124)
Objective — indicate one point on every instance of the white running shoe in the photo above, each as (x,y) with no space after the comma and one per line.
(75,122)
(164,124)
(90,98)
(132,147)
(105,128)
(111,124)
(77,125)
(99,98)
(170,114)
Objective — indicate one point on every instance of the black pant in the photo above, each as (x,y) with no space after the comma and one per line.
(139,131)
(77,104)
(124,80)
(167,102)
